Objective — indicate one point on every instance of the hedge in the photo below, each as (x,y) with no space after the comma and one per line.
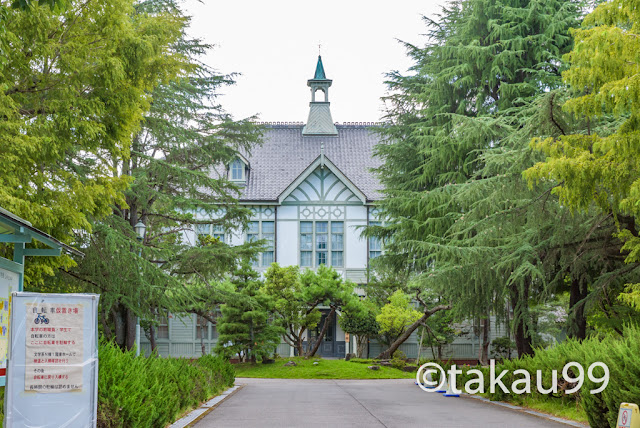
(620,354)
(152,392)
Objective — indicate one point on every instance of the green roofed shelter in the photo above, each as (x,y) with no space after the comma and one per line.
(19,232)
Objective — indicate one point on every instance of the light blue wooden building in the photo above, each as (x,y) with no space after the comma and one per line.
(310,188)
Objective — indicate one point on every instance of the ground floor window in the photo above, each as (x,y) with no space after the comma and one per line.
(162,329)
(205,329)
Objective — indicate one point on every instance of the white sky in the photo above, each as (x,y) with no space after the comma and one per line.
(274,45)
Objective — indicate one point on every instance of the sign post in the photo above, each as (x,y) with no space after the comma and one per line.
(628,416)
(52,374)
(8,283)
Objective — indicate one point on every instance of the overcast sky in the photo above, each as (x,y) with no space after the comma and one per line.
(274,45)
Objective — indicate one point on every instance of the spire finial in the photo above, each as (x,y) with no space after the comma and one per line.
(319,122)
(319,74)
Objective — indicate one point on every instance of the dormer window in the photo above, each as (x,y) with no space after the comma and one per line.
(237,170)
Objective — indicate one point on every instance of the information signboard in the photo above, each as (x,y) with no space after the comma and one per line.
(8,283)
(52,375)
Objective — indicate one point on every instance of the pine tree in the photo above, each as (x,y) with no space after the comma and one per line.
(360,321)
(326,287)
(244,327)
(292,312)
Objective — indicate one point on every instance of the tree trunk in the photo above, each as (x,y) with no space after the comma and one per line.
(325,327)
(577,327)
(508,334)
(520,304)
(202,347)
(119,323)
(404,336)
(298,338)
(363,340)
(152,338)
(486,340)
(108,334)
(131,322)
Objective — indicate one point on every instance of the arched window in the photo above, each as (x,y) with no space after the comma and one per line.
(237,170)
(320,96)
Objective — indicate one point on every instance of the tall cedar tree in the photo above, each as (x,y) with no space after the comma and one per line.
(486,63)
(175,187)
(597,167)
(74,85)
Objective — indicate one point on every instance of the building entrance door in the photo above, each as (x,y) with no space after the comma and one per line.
(328,346)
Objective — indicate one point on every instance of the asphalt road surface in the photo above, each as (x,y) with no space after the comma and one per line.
(358,403)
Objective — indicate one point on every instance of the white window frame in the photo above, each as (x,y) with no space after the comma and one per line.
(242,165)
(379,249)
(329,251)
(260,261)
(213,230)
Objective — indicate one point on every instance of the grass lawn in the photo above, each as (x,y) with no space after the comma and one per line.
(555,407)
(325,369)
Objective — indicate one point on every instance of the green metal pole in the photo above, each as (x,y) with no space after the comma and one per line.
(18,257)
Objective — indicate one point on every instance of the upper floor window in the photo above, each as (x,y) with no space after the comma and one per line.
(321,243)
(263,230)
(236,170)
(214,230)
(375,244)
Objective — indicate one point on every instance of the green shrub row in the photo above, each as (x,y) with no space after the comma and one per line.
(620,354)
(152,392)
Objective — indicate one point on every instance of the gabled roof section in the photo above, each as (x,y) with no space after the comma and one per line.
(243,159)
(316,168)
(319,70)
(286,154)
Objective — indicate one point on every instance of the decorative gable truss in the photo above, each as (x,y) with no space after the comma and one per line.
(322,182)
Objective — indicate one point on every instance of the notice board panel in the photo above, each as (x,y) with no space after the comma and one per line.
(52,373)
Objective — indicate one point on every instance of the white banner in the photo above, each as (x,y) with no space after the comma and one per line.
(54,347)
(52,370)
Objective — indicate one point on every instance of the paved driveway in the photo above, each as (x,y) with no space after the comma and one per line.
(358,403)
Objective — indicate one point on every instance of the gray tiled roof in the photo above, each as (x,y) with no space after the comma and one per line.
(285,154)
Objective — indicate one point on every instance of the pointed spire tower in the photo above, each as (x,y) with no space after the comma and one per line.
(319,121)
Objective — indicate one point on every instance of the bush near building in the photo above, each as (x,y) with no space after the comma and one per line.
(620,354)
(153,392)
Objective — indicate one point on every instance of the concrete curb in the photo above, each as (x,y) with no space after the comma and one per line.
(193,417)
(531,412)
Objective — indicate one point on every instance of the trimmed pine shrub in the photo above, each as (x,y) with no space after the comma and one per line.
(153,392)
